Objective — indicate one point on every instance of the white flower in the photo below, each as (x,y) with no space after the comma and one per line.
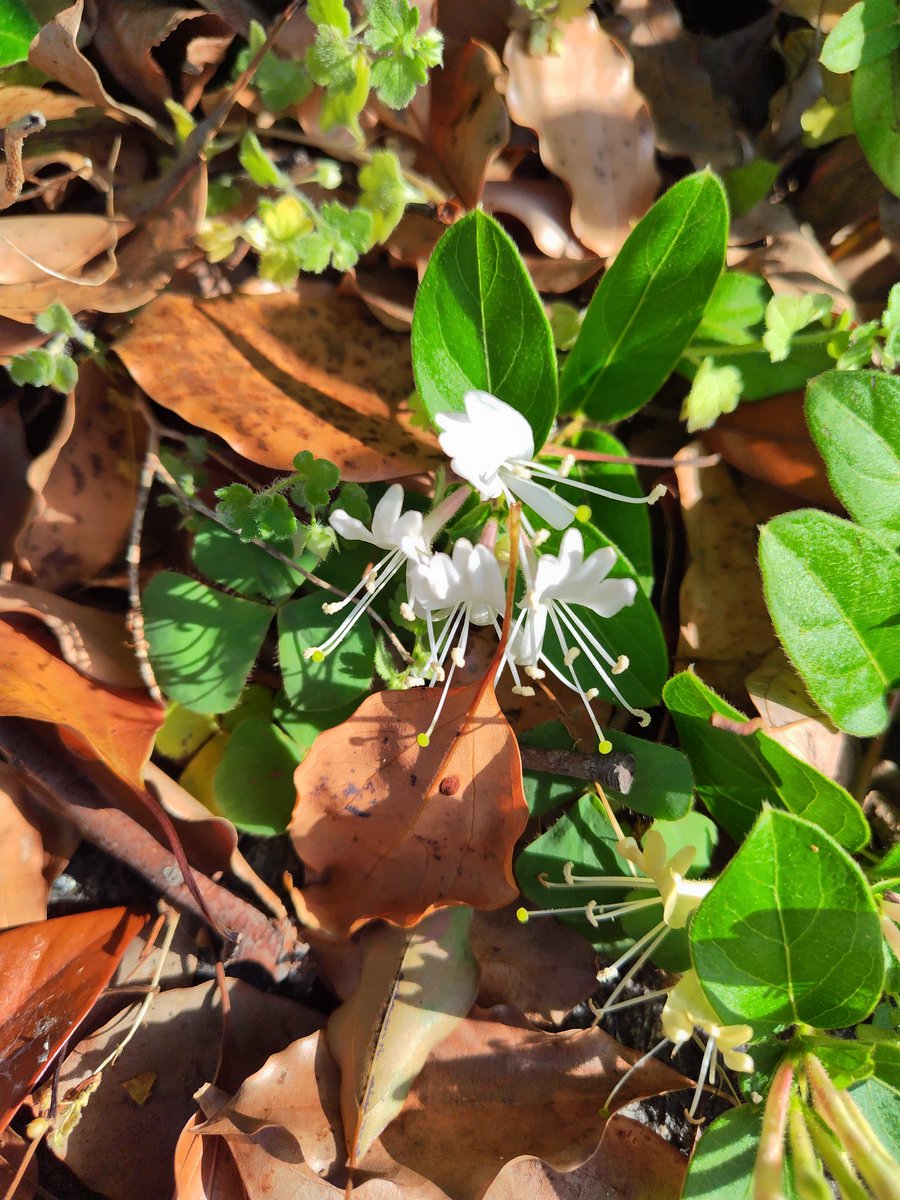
(554,583)
(491,445)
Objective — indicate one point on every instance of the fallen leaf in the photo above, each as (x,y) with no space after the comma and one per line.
(593,128)
(467,122)
(416,985)
(689,117)
(52,972)
(389,829)
(12,1150)
(96,643)
(204,1168)
(55,51)
(117,725)
(543,206)
(272,376)
(610,1174)
(83,512)
(502,1091)
(23,888)
(18,100)
(770,241)
(769,440)
(179,1040)
(131,39)
(16,497)
(725,626)
(33,247)
(543,969)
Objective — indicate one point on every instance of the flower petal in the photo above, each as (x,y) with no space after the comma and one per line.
(350,528)
(548,506)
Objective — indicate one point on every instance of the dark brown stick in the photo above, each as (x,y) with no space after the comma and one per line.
(58,785)
(13,137)
(613,770)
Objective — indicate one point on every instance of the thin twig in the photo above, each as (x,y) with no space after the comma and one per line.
(133,559)
(14,135)
(614,770)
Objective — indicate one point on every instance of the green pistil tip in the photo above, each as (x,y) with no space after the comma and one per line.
(604,747)
(522,916)
(317,656)
(423,739)
(583,513)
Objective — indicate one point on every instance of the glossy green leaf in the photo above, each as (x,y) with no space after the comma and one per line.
(833,592)
(479,323)
(760,377)
(649,303)
(634,631)
(854,417)
(345,672)
(254,783)
(875,100)
(722,1164)
(736,306)
(790,933)
(866,32)
(737,775)
(203,643)
(241,566)
(746,185)
(663,784)
(878,1104)
(17,28)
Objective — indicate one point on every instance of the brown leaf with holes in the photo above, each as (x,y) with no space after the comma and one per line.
(273,375)
(118,726)
(610,1174)
(84,508)
(593,128)
(389,829)
(52,972)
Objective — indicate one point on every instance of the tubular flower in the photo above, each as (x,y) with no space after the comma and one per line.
(405,536)
(554,583)
(491,445)
(890,923)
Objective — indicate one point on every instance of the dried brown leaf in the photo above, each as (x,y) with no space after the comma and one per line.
(273,376)
(33,246)
(17,100)
(593,128)
(389,829)
(23,888)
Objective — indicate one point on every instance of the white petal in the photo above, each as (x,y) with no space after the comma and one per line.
(496,419)
(611,597)
(529,641)
(386,515)
(548,506)
(349,528)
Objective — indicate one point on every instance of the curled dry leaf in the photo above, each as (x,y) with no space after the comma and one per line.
(18,100)
(117,725)
(416,985)
(96,643)
(84,508)
(689,117)
(593,128)
(271,376)
(35,248)
(770,241)
(725,627)
(389,829)
(204,1168)
(130,39)
(544,969)
(179,1042)
(52,972)
(543,206)
(770,440)
(632,1163)
(502,1091)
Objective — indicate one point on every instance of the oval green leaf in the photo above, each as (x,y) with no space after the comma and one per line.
(854,417)
(17,28)
(649,303)
(875,101)
(344,674)
(254,782)
(202,643)
(243,567)
(790,933)
(833,592)
(479,323)
(736,775)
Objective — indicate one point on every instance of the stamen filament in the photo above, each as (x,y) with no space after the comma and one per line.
(635,1066)
(357,611)
(546,472)
(651,940)
(709,1056)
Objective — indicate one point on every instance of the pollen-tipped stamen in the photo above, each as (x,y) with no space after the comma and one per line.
(555,476)
(651,940)
(338,635)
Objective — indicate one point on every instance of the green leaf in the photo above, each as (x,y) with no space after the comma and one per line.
(385,193)
(875,98)
(203,644)
(392,23)
(634,632)
(833,592)
(257,163)
(224,558)
(737,775)
(787,315)
(543,791)
(318,477)
(396,78)
(281,82)
(864,33)
(737,305)
(723,1161)
(663,784)
(341,235)
(879,1106)
(626,525)
(479,323)
(745,186)
(789,933)
(344,674)
(635,330)
(330,12)
(17,28)
(254,782)
(854,417)
(304,727)
(36,367)
(715,390)
(891,324)
(65,375)
(57,319)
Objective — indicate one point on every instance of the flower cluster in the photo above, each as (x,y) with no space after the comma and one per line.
(491,447)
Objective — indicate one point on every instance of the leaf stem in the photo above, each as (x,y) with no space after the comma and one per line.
(712,349)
